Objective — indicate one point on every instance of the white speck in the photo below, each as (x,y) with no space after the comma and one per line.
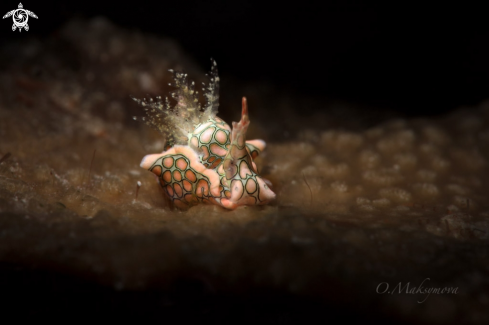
(146,82)
(139,184)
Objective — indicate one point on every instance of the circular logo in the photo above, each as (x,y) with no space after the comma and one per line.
(20,18)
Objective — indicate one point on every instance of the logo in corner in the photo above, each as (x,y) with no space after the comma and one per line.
(20,17)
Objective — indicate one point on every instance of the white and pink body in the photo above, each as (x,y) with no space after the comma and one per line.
(215,165)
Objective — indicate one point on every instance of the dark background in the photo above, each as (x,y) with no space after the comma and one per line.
(418,60)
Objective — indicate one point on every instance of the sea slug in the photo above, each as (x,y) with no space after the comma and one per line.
(205,161)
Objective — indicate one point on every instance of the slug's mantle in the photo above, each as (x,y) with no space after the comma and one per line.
(206,161)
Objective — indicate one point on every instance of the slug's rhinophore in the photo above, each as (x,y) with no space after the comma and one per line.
(205,160)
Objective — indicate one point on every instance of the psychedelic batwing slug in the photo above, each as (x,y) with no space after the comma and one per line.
(205,161)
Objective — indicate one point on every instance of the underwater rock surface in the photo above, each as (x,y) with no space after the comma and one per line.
(360,202)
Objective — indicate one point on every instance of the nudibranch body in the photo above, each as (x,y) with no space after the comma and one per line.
(206,161)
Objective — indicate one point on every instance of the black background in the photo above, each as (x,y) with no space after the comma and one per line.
(416,59)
